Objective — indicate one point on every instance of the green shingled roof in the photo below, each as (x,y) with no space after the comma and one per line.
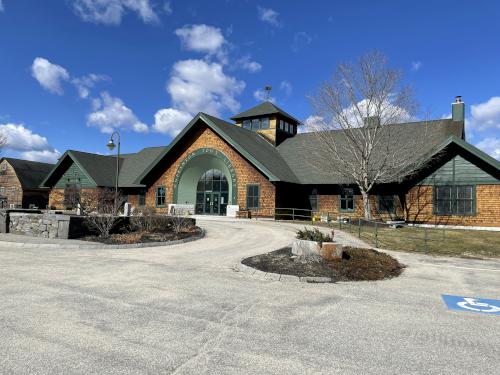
(264,109)
(301,151)
(30,173)
(253,147)
(101,169)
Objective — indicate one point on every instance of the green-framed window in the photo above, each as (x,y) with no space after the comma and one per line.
(247,124)
(161,195)
(454,200)
(386,204)
(346,200)
(253,196)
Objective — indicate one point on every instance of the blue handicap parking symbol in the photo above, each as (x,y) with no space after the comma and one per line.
(471,304)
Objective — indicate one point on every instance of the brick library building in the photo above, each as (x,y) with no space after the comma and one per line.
(260,163)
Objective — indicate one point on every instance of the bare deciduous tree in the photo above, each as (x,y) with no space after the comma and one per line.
(102,207)
(357,136)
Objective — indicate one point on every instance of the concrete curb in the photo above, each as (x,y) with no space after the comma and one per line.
(260,275)
(96,245)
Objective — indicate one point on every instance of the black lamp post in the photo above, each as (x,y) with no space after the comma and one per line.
(111,145)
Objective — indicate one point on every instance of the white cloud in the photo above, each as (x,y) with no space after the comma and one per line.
(167,7)
(286,87)
(416,65)
(171,121)
(491,146)
(110,12)
(300,40)
(1,6)
(198,85)
(312,123)
(49,76)
(247,64)
(261,95)
(269,15)
(110,113)
(486,115)
(201,38)
(45,156)
(85,83)
(29,145)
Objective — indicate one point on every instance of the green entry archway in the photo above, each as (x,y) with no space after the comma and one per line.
(197,165)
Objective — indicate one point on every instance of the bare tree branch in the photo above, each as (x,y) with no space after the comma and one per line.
(358,136)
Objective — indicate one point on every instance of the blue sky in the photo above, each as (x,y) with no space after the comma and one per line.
(73,70)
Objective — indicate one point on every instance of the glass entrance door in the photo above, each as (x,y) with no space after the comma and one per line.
(212,204)
(212,193)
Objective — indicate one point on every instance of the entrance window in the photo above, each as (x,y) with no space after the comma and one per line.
(161,193)
(212,193)
(253,196)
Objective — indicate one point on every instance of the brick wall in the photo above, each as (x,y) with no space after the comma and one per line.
(245,173)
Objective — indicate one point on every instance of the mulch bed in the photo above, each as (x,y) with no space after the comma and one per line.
(356,265)
(142,237)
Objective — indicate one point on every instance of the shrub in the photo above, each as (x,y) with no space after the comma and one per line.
(144,211)
(160,224)
(103,208)
(314,235)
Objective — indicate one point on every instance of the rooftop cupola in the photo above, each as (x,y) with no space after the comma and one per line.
(268,120)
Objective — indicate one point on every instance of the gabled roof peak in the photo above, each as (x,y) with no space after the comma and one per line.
(262,109)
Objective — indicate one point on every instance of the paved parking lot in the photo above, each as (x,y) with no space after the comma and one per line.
(185,310)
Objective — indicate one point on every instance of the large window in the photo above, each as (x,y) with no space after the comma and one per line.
(212,193)
(454,200)
(247,124)
(161,194)
(347,200)
(253,196)
(386,204)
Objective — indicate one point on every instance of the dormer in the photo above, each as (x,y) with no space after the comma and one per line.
(270,121)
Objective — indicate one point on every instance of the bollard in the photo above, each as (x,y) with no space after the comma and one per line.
(359,228)
(376,235)
(425,241)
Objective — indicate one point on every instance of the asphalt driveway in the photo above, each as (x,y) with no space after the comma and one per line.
(185,310)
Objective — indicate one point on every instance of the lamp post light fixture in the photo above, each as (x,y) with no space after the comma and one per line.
(111,146)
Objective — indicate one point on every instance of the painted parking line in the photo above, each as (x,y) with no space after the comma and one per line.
(472,304)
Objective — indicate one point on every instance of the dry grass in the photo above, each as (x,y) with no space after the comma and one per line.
(449,242)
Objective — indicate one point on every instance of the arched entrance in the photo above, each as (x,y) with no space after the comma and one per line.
(206,179)
(212,193)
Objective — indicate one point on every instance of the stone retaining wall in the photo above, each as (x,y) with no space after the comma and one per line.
(46,225)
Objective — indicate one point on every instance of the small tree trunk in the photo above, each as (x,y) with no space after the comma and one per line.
(366,205)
